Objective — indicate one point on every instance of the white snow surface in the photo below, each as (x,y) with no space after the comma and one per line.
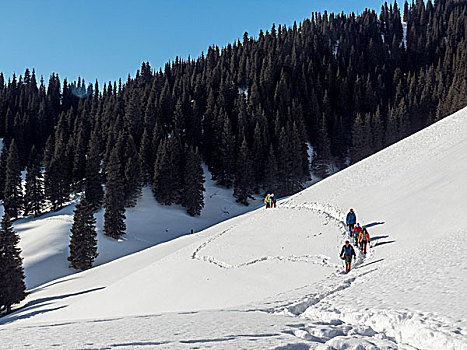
(45,240)
(271,278)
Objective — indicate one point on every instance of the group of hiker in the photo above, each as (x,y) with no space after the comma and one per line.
(360,236)
(270,201)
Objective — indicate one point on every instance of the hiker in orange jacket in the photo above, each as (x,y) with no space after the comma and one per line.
(364,239)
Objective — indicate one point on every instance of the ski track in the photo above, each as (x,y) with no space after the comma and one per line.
(329,212)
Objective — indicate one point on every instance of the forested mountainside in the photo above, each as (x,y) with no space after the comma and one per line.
(347,85)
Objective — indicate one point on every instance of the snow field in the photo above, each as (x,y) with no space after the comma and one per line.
(148,224)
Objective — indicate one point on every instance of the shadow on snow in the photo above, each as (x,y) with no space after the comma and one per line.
(31,308)
(373,224)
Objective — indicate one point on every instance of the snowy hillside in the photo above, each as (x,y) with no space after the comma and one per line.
(45,240)
(272,278)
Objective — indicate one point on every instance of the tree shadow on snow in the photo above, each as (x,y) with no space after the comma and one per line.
(373,224)
(31,308)
(47,285)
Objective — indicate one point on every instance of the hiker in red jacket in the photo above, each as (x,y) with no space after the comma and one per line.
(356,232)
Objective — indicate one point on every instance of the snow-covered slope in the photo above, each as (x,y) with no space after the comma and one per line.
(273,279)
(45,240)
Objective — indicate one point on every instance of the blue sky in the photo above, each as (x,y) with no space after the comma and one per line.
(107,40)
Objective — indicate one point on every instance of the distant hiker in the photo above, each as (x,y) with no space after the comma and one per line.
(350,220)
(267,201)
(364,238)
(273,200)
(346,254)
(356,231)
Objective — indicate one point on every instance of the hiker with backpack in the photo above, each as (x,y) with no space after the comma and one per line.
(350,220)
(364,239)
(273,200)
(346,254)
(356,232)
(267,201)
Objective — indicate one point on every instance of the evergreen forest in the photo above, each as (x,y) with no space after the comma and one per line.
(342,85)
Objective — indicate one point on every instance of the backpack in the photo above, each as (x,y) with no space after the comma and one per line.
(348,250)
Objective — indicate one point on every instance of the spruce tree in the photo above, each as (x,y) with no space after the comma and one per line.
(378,131)
(358,151)
(13,201)
(284,163)
(194,180)
(227,149)
(132,172)
(34,194)
(12,286)
(94,192)
(259,152)
(146,157)
(168,181)
(243,187)
(133,118)
(114,217)
(270,172)
(58,175)
(83,244)
(3,160)
(79,158)
(322,153)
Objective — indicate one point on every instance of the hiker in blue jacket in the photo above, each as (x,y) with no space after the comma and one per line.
(346,254)
(351,220)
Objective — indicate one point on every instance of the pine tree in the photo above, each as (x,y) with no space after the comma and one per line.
(168,182)
(34,194)
(83,244)
(243,187)
(114,224)
(79,158)
(94,192)
(146,156)
(378,131)
(58,175)
(259,152)
(3,160)
(194,180)
(133,118)
(227,148)
(360,138)
(322,152)
(13,201)
(271,172)
(12,286)
(132,173)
